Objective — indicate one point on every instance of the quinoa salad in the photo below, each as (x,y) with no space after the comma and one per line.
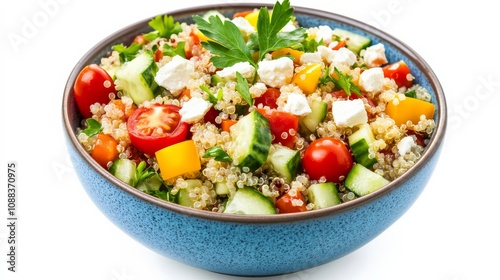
(252,113)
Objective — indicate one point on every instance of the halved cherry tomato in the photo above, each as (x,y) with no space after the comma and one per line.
(285,203)
(327,157)
(93,85)
(269,98)
(105,149)
(156,127)
(399,72)
(281,124)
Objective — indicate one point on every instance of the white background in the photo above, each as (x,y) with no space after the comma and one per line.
(451,233)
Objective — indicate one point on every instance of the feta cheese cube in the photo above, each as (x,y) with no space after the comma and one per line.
(405,145)
(374,56)
(194,109)
(324,32)
(244,68)
(297,104)
(372,80)
(257,89)
(344,58)
(327,54)
(175,75)
(307,58)
(276,73)
(244,26)
(349,113)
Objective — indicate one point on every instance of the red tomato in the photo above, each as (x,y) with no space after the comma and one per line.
(140,39)
(154,128)
(281,123)
(327,157)
(211,115)
(92,85)
(399,72)
(285,203)
(268,98)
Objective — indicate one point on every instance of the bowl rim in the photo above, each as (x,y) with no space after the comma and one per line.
(432,147)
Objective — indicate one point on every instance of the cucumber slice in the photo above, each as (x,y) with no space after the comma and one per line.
(323,195)
(360,143)
(362,181)
(249,201)
(221,188)
(136,78)
(355,41)
(183,195)
(152,183)
(216,13)
(125,170)
(310,122)
(251,136)
(285,161)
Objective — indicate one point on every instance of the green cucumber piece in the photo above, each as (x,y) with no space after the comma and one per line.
(125,170)
(136,78)
(216,13)
(323,195)
(249,201)
(183,194)
(152,183)
(362,181)
(360,142)
(309,123)
(285,161)
(251,136)
(355,42)
(221,188)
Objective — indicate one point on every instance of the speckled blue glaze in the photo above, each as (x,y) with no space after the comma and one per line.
(252,245)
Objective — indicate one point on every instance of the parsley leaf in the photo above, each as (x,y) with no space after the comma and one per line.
(243,89)
(127,53)
(269,37)
(218,154)
(171,51)
(211,97)
(164,27)
(342,81)
(227,45)
(93,127)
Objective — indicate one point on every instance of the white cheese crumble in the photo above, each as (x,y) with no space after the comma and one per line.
(405,145)
(372,80)
(276,73)
(194,109)
(374,56)
(349,113)
(244,68)
(297,104)
(175,75)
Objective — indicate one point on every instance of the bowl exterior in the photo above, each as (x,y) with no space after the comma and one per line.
(267,245)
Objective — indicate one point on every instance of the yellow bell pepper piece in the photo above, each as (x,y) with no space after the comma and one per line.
(178,159)
(252,18)
(202,36)
(288,51)
(307,78)
(409,109)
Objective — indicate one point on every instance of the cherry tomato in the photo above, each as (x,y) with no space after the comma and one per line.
(211,115)
(92,85)
(140,39)
(285,203)
(268,98)
(399,72)
(281,124)
(156,127)
(327,157)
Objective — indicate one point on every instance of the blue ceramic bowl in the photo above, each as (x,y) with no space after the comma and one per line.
(255,245)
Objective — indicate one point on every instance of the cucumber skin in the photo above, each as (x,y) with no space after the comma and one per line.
(117,169)
(258,150)
(359,149)
(146,79)
(310,122)
(318,192)
(285,161)
(362,181)
(249,201)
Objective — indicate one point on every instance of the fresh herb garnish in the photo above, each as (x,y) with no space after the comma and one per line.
(341,81)
(218,154)
(411,93)
(164,27)
(243,89)
(93,127)
(171,51)
(212,98)
(142,173)
(228,44)
(127,53)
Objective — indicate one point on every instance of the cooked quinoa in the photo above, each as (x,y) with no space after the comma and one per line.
(389,162)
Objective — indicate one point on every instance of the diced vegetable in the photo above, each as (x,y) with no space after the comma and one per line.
(360,142)
(291,204)
(136,78)
(178,159)
(105,149)
(323,195)
(355,42)
(252,139)
(183,196)
(307,78)
(285,161)
(281,124)
(310,122)
(296,54)
(249,201)
(409,109)
(362,181)
(125,170)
